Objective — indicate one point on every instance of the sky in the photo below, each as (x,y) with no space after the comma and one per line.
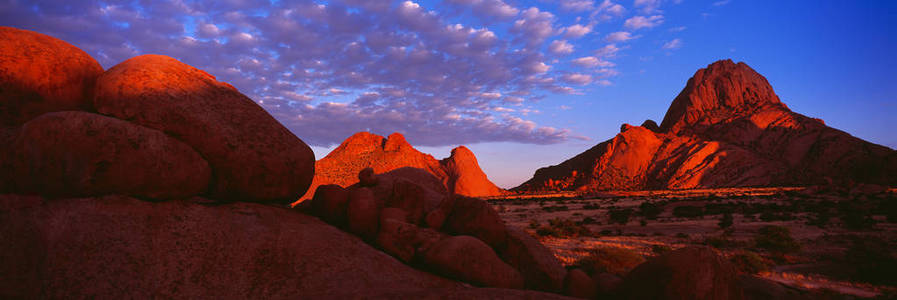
(523,84)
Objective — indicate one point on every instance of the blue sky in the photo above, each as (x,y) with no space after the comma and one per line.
(524,84)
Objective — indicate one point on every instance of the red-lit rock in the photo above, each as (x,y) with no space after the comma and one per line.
(330,203)
(367,178)
(362,213)
(687,273)
(405,241)
(83,154)
(475,217)
(538,265)
(40,73)
(727,128)
(469,259)
(253,157)
(365,150)
(578,284)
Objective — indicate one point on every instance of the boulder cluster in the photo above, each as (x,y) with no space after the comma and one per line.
(150,127)
(409,214)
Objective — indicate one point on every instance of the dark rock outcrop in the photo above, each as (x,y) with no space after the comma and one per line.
(80,154)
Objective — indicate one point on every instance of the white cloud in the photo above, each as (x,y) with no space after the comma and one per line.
(591,62)
(535,26)
(577,5)
(619,36)
(576,31)
(560,47)
(678,29)
(721,3)
(673,44)
(577,78)
(608,51)
(639,22)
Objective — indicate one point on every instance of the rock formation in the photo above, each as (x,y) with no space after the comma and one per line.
(460,172)
(727,128)
(162,129)
(409,214)
(155,129)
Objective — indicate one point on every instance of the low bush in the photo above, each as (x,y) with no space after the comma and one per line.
(563,228)
(688,212)
(776,239)
(749,262)
(650,210)
(620,216)
(617,261)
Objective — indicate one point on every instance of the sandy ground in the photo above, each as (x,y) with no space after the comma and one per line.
(814,266)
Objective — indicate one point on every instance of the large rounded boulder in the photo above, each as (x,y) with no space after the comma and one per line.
(253,157)
(469,259)
(538,265)
(79,154)
(40,73)
(475,217)
(687,273)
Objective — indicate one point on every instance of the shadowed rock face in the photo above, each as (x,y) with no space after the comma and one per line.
(727,128)
(120,247)
(460,173)
(40,73)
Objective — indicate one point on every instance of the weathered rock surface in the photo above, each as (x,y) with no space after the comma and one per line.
(469,259)
(252,156)
(331,203)
(541,270)
(727,128)
(578,284)
(363,213)
(475,217)
(84,154)
(119,247)
(362,150)
(406,241)
(40,73)
(687,273)
(465,176)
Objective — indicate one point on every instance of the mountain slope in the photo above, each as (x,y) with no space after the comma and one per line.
(726,128)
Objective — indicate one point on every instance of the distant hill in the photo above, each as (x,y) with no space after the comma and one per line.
(727,128)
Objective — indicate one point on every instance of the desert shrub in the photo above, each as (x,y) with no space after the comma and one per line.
(591,206)
(682,235)
(820,219)
(554,208)
(875,260)
(563,228)
(720,241)
(650,210)
(606,232)
(769,216)
(533,224)
(620,216)
(617,261)
(688,211)
(588,220)
(857,220)
(726,221)
(660,249)
(643,223)
(749,262)
(776,239)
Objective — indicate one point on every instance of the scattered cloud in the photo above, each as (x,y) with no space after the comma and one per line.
(534,26)
(577,78)
(619,36)
(577,5)
(673,44)
(678,29)
(591,62)
(721,3)
(576,31)
(639,22)
(560,47)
